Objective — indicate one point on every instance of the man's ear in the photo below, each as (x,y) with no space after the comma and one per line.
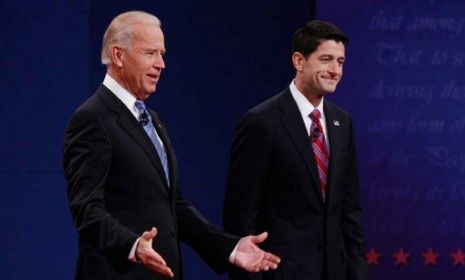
(117,55)
(298,60)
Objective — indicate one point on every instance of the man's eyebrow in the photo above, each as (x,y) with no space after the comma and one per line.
(154,50)
(332,56)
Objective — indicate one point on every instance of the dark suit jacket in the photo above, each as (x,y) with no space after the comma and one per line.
(117,190)
(273,186)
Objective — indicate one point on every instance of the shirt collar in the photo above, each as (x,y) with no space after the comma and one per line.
(123,94)
(305,107)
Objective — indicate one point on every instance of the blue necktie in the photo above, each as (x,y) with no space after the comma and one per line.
(146,121)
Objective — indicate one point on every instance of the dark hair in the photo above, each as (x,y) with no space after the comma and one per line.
(307,38)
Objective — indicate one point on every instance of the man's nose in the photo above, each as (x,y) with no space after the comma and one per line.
(335,68)
(159,62)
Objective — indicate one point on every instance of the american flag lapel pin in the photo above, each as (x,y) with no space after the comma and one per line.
(336,123)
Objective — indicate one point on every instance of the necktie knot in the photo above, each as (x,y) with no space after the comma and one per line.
(315,115)
(143,117)
(140,105)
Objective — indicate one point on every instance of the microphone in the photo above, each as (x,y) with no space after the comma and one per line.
(144,118)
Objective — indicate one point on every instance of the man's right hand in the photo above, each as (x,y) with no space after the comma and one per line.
(148,257)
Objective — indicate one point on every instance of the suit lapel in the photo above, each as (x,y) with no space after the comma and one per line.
(293,123)
(168,149)
(127,122)
(333,126)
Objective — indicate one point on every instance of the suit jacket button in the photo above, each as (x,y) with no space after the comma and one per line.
(174,234)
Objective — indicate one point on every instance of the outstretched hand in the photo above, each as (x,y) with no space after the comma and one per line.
(149,257)
(253,259)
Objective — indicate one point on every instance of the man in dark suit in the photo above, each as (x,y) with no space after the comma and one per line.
(293,170)
(122,173)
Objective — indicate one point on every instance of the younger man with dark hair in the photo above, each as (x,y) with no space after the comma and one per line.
(293,170)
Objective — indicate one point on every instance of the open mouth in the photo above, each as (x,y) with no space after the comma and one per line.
(153,77)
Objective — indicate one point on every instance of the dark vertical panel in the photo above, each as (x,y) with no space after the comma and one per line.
(312,5)
(222,58)
(43,56)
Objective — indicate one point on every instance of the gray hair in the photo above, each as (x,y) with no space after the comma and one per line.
(120,31)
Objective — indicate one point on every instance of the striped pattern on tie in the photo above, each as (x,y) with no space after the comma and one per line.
(320,150)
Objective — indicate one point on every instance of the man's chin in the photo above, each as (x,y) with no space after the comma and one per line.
(150,90)
(330,89)
(145,96)
(327,92)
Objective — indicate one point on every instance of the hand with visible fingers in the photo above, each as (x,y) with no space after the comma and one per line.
(253,259)
(149,257)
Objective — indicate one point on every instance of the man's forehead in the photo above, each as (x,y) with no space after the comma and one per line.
(331,46)
(146,29)
(148,34)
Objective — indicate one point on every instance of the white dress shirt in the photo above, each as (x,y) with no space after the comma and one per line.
(305,108)
(127,98)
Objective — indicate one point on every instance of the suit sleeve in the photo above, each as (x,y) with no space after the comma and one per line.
(209,241)
(249,164)
(352,220)
(86,160)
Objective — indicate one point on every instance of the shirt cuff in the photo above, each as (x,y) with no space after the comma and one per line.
(132,253)
(232,256)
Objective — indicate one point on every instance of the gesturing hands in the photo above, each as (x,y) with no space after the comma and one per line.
(148,257)
(253,259)
(248,255)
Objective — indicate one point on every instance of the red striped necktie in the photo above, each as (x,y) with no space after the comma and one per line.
(320,150)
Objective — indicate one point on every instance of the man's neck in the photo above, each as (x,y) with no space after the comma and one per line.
(313,97)
(115,76)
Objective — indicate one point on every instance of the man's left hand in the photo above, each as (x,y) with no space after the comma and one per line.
(253,259)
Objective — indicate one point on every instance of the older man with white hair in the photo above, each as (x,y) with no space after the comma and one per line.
(122,173)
